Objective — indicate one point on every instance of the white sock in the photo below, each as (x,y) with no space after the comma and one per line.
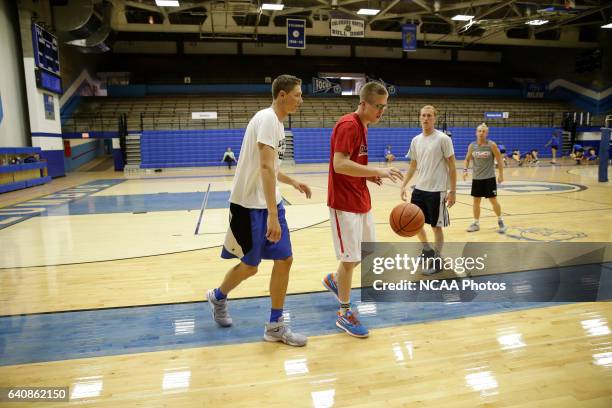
(476,221)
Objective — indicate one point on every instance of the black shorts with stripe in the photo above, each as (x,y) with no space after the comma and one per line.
(484,188)
(433,205)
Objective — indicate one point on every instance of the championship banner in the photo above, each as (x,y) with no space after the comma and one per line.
(322,85)
(409,37)
(390,88)
(296,34)
(347,28)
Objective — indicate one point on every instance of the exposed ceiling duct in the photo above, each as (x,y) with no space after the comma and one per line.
(84,24)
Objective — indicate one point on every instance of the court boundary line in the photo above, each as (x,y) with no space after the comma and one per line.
(143,256)
(601,264)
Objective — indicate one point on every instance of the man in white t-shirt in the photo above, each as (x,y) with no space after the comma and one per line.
(432,157)
(258,229)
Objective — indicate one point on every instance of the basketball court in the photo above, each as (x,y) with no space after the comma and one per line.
(120,301)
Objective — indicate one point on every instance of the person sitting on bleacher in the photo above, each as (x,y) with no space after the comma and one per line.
(229,158)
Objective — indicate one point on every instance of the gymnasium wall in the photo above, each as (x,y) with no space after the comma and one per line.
(312,145)
(82,152)
(193,148)
(14,125)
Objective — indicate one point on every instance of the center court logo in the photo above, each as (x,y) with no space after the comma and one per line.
(517,187)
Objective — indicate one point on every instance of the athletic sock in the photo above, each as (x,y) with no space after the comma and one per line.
(219,295)
(275,314)
(344,307)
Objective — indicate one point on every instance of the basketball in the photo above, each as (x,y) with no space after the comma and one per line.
(406,219)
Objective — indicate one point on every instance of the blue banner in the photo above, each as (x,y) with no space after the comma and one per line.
(296,34)
(409,37)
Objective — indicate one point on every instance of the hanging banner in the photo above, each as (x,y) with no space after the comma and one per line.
(322,85)
(409,37)
(296,34)
(347,28)
(390,88)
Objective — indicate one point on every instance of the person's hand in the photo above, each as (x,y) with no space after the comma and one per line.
(404,193)
(273,232)
(302,188)
(391,173)
(500,178)
(375,179)
(451,197)
(465,175)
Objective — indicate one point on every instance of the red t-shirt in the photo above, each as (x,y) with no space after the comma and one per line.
(348,193)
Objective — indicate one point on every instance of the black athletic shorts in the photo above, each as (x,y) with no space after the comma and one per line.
(433,205)
(484,188)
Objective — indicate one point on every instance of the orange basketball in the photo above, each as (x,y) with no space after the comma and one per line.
(406,219)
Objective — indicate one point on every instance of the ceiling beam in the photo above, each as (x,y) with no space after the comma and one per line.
(383,12)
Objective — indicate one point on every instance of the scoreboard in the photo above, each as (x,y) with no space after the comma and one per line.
(46,51)
(46,59)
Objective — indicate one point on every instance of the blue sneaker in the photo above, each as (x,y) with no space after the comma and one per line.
(330,284)
(350,324)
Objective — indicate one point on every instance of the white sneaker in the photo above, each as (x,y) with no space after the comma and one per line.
(279,331)
(502,227)
(473,228)
(219,309)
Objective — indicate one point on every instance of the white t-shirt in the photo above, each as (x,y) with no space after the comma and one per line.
(247,189)
(430,153)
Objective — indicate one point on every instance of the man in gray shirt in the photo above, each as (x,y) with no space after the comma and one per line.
(484,152)
(432,157)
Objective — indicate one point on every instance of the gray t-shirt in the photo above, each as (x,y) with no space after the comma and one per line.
(484,161)
(430,153)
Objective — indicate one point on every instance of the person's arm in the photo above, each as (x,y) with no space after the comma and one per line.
(344,165)
(466,162)
(301,187)
(452,173)
(500,162)
(267,156)
(411,170)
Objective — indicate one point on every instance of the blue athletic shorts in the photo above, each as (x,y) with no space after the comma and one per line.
(246,236)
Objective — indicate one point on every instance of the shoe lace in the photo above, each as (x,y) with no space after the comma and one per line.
(221,309)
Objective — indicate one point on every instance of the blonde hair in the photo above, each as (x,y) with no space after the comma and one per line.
(370,89)
(433,108)
(482,125)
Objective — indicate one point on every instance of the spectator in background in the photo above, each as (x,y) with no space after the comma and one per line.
(534,157)
(554,146)
(516,156)
(577,153)
(229,158)
(502,151)
(389,157)
(592,156)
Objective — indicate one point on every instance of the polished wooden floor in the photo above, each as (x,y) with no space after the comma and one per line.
(537,357)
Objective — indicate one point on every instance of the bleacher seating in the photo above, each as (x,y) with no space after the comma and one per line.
(174,112)
(187,148)
(311,145)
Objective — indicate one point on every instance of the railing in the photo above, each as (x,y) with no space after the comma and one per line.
(234,120)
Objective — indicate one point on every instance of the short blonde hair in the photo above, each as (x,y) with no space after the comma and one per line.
(482,125)
(433,108)
(370,89)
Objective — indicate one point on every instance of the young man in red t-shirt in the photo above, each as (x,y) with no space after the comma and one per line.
(348,197)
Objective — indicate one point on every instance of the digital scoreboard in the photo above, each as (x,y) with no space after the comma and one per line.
(46,59)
